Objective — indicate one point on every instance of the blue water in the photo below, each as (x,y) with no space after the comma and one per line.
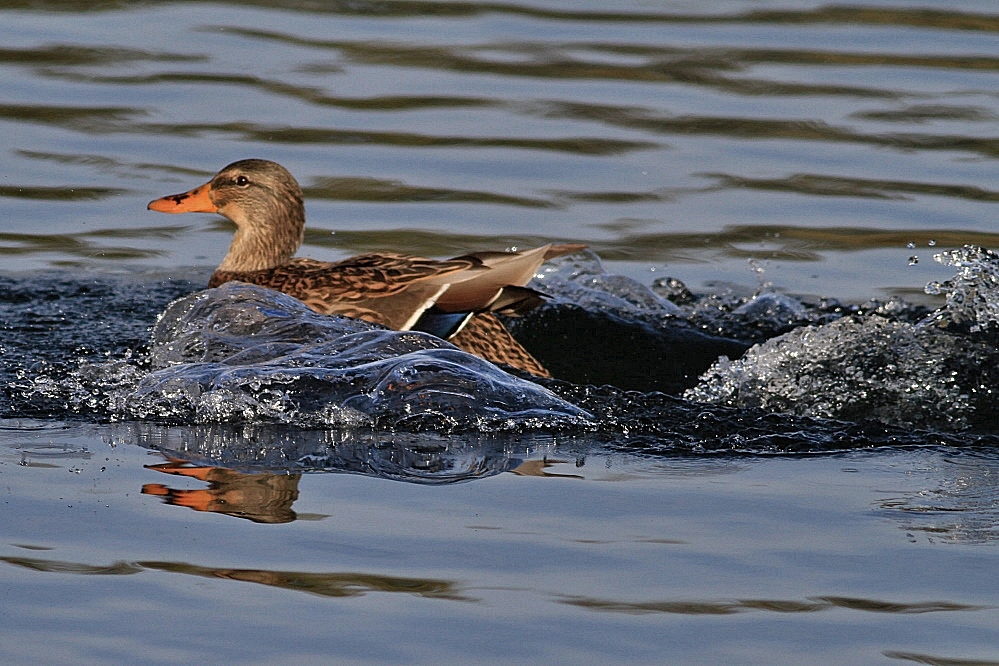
(828,498)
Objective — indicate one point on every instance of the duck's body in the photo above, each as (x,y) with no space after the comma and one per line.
(453,299)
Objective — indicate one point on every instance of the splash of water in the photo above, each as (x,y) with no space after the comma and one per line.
(241,353)
(972,295)
(938,372)
(580,278)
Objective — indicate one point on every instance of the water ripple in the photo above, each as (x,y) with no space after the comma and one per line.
(822,185)
(77,55)
(811,605)
(332,584)
(92,119)
(763,128)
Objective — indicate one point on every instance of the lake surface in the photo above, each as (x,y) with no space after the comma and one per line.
(829,498)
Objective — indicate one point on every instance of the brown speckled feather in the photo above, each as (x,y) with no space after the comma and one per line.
(265,203)
(486,336)
(387,289)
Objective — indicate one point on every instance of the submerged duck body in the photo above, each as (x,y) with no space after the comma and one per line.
(453,299)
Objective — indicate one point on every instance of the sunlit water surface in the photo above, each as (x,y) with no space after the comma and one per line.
(235,488)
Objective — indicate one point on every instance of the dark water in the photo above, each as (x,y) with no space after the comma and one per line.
(742,459)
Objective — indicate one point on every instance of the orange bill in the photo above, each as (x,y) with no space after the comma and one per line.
(193,201)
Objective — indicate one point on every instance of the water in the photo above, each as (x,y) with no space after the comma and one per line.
(232,479)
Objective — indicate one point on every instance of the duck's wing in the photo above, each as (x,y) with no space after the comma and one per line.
(501,288)
(388,289)
(395,290)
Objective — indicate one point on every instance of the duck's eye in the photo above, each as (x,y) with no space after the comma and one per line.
(242,181)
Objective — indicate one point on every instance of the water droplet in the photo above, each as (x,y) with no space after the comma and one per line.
(913,260)
(911,245)
(931,243)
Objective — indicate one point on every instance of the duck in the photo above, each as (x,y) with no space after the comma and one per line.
(455,299)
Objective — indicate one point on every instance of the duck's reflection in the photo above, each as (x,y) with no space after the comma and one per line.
(253,471)
(425,458)
(261,497)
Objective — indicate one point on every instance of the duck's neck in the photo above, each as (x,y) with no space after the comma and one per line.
(269,241)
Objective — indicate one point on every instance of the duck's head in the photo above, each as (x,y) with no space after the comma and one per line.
(262,199)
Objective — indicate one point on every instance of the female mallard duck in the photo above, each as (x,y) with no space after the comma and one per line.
(453,299)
